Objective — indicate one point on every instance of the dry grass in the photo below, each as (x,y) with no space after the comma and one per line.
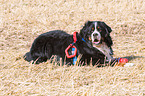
(21,21)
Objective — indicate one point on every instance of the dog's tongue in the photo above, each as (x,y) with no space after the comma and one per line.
(96,41)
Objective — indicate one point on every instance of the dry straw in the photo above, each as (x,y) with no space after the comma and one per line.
(21,21)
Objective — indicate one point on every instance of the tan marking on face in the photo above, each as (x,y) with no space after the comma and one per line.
(90,39)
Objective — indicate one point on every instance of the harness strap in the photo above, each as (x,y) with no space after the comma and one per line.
(83,39)
(75,37)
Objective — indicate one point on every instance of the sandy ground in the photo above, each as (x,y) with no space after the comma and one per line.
(21,21)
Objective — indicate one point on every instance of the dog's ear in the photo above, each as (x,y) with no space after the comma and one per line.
(88,23)
(107,27)
(85,30)
(85,27)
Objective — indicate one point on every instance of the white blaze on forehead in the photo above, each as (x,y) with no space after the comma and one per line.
(95,26)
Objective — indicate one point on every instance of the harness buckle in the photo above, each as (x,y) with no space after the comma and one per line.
(74,53)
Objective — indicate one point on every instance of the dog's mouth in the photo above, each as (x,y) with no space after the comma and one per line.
(96,41)
(96,38)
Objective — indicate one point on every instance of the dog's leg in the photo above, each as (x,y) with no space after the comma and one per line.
(28,57)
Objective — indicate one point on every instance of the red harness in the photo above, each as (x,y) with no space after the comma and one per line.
(72,46)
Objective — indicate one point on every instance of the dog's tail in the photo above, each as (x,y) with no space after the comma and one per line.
(28,57)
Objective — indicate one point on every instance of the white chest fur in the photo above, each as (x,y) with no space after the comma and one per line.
(104,49)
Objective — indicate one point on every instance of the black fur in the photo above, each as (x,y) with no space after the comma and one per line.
(55,42)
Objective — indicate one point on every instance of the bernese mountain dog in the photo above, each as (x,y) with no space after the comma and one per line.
(93,44)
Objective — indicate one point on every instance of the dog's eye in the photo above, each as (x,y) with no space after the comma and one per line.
(92,29)
(99,28)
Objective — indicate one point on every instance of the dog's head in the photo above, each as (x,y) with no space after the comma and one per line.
(96,33)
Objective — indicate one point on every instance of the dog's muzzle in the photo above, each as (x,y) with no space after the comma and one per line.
(96,37)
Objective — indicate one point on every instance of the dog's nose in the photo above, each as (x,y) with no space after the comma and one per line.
(95,34)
